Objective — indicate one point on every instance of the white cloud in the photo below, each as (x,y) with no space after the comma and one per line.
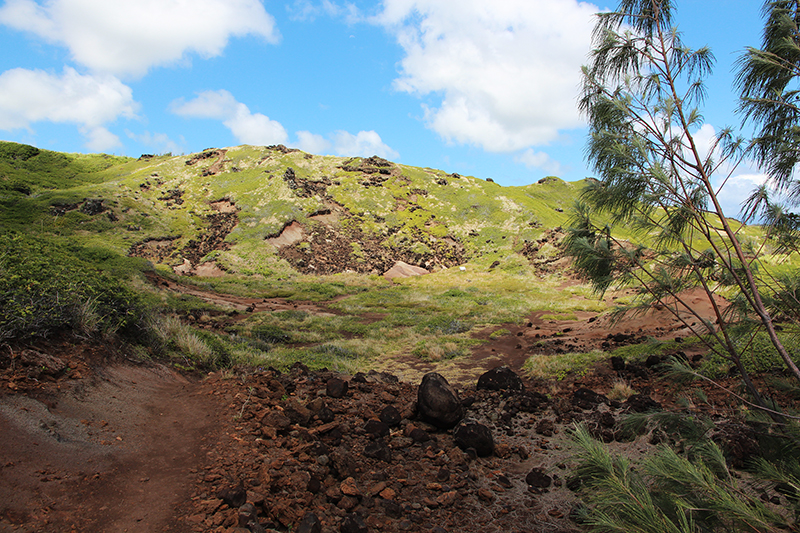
(508,73)
(307,10)
(312,142)
(90,102)
(127,38)
(540,160)
(158,141)
(247,127)
(364,143)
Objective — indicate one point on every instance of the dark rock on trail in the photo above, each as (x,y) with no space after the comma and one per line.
(376,429)
(390,416)
(473,435)
(233,496)
(538,479)
(353,523)
(336,388)
(309,524)
(641,403)
(378,449)
(587,399)
(438,402)
(500,378)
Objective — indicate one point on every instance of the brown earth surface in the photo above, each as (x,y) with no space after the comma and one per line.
(92,441)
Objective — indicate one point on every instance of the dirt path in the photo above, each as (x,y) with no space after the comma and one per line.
(118,452)
(240,303)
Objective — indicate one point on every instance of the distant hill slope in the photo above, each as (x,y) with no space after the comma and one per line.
(266,210)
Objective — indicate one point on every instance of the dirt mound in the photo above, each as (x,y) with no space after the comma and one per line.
(217,167)
(218,227)
(326,249)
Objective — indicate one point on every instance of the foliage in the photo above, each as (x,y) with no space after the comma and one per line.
(667,492)
(768,79)
(559,366)
(641,94)
(46,286)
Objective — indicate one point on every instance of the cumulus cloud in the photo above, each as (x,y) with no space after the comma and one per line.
(312,143)
(364,143)
(540,160)
(127,38)
(90,102)
(160,142)
(247,127)
(507,72)
(307,10)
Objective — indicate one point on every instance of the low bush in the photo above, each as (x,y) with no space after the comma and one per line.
(46,286)
(667,492)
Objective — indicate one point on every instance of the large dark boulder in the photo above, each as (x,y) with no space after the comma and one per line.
(438,403)
(500,378)
(471,434)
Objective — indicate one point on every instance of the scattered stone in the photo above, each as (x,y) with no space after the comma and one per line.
(309,524)
(390,416)
(473,435)
(247,514)
(641,403)
(349,487)
(296,413)
(652,360)
(587,399)
(336,388)
(617,363)
(500,378)
(378,449)
(404,270)
(438,403)
(376,429)
(353,523)
(233,496)
(545,427)
(536,478)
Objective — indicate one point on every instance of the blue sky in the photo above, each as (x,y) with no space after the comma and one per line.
(468,86)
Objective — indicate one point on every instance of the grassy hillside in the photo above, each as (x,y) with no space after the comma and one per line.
(420,215)
(80,230)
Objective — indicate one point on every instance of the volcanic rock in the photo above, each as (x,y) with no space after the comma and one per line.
(336,388)
(309,524)
(538,479)
(471,434)
(233,496)
(390,416)
(438,402)
(500,378)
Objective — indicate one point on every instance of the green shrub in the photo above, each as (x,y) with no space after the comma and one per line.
(270,334)
(666,493)
(757,352)
(45,286)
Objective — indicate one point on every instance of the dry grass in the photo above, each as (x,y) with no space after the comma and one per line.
(620,390)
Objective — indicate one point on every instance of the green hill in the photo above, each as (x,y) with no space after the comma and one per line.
(267,210)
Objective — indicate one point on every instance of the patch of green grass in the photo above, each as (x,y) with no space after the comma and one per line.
(640,352)
(47,286)
(756,351)
(442,348)
(341,356)
(496,334)
(559,366)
